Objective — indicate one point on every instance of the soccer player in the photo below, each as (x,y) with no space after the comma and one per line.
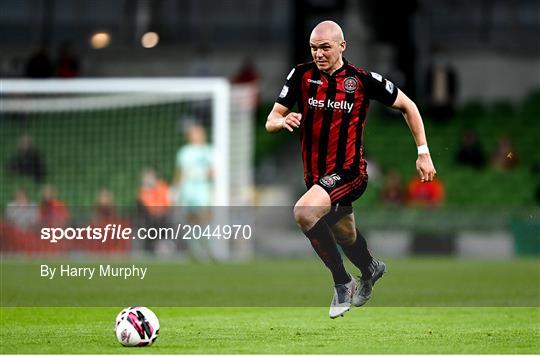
(333,98)
(194,171)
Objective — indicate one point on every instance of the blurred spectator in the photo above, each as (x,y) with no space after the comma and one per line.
(27,161)
(52,211)
(428,194)
(441,86)
(247,74)
(393,192)
(105,213)
(39,65)
(193,183)
(67,65)
(471,153)
(153,194)
(21,213)
(154,203)
(504,157)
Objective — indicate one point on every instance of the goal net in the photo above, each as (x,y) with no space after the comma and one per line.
(90,141)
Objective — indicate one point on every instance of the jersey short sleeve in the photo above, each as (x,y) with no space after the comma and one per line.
(291,90)
(379,88)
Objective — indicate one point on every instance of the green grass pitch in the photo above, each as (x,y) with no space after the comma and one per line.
(278,330)
(416,308)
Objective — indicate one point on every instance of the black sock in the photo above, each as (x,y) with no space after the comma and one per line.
(323,243)
(359,255)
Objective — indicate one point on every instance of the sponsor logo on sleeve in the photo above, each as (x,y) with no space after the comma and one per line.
(284,91)
(350,84)
(389,86)
(377,76)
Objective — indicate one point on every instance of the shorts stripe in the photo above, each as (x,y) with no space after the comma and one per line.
(346,186)
(346,189)
(335,198)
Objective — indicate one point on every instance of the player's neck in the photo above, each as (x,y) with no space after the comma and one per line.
(336,67)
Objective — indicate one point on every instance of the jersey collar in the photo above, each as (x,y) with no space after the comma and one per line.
(337,71)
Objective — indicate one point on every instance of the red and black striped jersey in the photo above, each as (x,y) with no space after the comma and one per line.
(333,109)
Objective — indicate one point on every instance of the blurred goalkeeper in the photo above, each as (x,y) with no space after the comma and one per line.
(193,180)
(333,99)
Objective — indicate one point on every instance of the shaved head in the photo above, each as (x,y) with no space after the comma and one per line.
(327,45)
(328,30)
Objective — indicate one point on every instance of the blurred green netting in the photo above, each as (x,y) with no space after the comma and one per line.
(85,151)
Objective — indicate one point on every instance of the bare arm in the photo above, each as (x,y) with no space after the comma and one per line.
(424,165)
(281,117)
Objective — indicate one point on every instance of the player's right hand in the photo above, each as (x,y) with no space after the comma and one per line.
(292,121)
(425,168)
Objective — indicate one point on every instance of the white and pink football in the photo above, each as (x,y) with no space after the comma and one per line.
(136,326)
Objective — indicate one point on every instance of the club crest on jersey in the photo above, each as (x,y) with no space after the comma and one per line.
(350,84)
(330,180)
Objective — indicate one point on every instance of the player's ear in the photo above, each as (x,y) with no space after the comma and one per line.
(343,46)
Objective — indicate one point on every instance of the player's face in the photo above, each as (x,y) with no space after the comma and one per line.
(196,135)
(327,53)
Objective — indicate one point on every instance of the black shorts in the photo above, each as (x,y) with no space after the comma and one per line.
(343,187)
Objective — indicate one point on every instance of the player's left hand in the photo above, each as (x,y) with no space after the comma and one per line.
(425,168)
